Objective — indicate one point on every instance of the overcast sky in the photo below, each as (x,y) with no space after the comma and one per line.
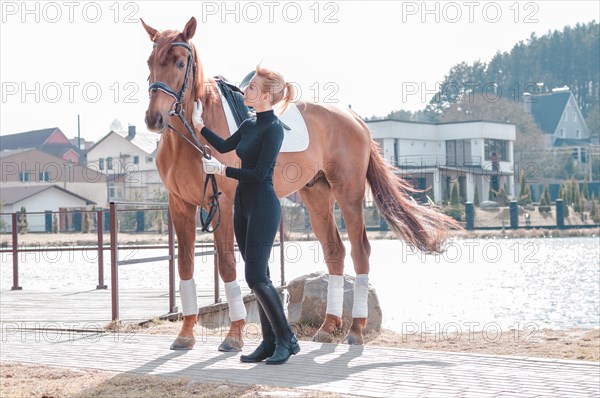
(60,59)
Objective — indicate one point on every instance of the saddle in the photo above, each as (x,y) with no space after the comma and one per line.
(234,97)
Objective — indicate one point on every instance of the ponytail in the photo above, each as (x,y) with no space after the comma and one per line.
(282,93)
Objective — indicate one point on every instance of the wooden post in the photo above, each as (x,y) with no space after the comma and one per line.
(101,284)
(15,252)
(114,258)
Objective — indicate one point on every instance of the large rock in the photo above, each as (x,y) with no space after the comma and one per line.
(308,301)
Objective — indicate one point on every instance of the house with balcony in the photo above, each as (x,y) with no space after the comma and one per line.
(478,155)
(128,159)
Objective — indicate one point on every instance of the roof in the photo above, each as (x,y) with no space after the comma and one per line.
(36,139)
(11,195)
(547,109)
(10,152)
(437,123)
(28,139)
(144,140)
(59,150)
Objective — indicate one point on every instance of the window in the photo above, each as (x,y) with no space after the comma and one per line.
(44,176)
(101,164)
(24,177)
(577,133)
(561,133)
(136,160)
(109,163)
(566,116)
(149,159)
(499,147)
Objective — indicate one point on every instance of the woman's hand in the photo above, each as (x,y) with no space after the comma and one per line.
(197,115)
(213,166)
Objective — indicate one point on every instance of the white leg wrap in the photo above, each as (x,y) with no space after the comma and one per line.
(335,295)
(189,297)
(233,293)
(361,293)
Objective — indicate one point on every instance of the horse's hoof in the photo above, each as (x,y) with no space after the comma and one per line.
(353,339)
(183,343)
(323,337)
(326,332)
(231,344)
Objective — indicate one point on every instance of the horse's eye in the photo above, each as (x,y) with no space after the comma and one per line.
(180,64)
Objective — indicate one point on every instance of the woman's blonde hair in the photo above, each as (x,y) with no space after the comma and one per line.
(274,83)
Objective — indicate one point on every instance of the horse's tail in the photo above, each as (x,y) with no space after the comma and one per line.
(422,227)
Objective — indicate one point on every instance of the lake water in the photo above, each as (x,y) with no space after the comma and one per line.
(477,284)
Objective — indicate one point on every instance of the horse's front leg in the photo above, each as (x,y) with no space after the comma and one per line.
(184,220)
(224,243)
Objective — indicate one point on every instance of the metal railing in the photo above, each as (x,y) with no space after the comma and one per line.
(114,248)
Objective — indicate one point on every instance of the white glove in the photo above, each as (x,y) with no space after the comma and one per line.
(197,114)
(213,166)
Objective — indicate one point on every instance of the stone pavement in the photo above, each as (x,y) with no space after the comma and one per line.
(348,370)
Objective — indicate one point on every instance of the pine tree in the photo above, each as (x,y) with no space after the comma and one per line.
(586,191)
(54,223)
(525,192)
(160,224)
(22,224)
(86,223)
(545,199)
(576,198)
(454,197)
(595,212)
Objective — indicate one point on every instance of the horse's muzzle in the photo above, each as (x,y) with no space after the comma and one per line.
(155,121)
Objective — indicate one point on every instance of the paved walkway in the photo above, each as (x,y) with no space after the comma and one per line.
(351,371)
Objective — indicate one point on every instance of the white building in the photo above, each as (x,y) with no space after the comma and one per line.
(129,161)
(38,198)
(436,155)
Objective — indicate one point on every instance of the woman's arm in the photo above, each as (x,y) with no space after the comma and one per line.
(220,144)
(271,144)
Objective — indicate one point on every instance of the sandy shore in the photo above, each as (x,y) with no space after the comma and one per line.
(91,239)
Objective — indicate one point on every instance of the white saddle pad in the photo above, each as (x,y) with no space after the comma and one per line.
(294,140)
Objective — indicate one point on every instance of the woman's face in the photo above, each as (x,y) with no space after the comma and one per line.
(254,95)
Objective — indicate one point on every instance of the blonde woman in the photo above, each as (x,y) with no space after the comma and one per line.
(257,211)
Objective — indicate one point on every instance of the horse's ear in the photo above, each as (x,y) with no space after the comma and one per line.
(151,31)
(190,29)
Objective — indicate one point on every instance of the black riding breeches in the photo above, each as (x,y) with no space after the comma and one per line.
(256,219)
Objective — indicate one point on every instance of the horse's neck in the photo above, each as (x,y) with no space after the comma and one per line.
(214,116)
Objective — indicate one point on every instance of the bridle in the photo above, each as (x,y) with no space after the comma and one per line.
(213,202)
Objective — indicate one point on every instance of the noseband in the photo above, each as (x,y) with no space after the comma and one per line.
(213,202)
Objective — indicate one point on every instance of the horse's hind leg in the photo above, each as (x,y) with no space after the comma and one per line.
(319,201)
(349,195)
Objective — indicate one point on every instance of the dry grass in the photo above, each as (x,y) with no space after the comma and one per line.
(25,380)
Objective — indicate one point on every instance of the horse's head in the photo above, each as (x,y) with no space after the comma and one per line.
(175,79)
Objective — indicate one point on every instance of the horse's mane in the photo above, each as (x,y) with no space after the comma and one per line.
(203,89)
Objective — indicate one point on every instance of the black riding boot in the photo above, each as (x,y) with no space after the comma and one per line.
(287,343)
(267,346)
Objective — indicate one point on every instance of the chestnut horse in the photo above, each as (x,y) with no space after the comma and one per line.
(341,158)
